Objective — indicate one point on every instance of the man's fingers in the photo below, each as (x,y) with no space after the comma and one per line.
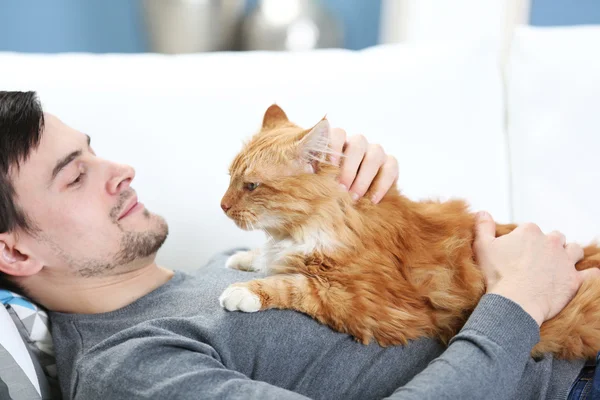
(557,237)
(374,158)
(485,228)
(353,156)
(589,273)
(387,176)
(574,251)
(337,139)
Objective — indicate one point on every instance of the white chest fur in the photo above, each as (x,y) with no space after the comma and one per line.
(275,251)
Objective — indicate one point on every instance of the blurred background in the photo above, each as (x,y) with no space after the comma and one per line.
(184,26)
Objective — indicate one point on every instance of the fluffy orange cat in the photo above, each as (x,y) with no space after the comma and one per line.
(393,272)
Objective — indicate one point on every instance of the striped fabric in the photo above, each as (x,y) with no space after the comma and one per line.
(18,377)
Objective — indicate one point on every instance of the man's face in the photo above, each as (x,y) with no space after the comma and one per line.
(79,204)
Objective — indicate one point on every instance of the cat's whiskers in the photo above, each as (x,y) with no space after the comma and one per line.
(268,235)
(251,225)
(262,227)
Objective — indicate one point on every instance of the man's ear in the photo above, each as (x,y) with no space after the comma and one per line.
(15,262)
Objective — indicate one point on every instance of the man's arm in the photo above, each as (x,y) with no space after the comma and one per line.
(486,360)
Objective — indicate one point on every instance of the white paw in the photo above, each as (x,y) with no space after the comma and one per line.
(239,298)
(242,261)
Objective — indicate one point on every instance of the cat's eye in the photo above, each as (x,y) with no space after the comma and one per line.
(250,186)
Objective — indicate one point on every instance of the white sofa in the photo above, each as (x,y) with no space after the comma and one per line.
(523,146)
(518,139)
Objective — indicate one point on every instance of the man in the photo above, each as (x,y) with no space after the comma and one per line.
(75,239)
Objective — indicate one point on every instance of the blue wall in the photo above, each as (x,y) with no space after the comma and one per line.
(71,25)
(564,12)
(117,25)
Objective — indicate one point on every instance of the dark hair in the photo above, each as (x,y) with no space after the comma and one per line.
(21,125)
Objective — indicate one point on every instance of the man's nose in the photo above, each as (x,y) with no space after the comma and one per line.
(225,206)
(121,177)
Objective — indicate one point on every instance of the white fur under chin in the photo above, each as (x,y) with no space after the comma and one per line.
(275,250)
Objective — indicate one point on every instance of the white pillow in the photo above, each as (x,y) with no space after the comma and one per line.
(554,128)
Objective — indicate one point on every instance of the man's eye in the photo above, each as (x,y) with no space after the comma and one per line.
(77,180)
(250,186)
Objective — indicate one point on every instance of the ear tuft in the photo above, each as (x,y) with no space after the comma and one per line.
(314,146)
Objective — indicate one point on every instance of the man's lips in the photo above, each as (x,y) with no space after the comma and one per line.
(128,207)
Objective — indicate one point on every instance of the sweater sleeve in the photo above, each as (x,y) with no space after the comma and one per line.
(485,360)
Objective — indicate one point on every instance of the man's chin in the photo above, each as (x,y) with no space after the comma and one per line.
(137,245)
(152,237)
(152,222)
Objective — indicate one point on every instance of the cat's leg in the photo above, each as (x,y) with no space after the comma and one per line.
(243,260)
(327,303)
(364,317)
(289,291)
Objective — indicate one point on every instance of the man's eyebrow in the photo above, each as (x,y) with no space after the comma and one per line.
(63,162)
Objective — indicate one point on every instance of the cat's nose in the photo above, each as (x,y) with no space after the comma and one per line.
(225,207)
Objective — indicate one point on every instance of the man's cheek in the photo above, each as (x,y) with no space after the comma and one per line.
(70,222)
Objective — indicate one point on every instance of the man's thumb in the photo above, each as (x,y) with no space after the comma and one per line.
(589,274)
(485,227)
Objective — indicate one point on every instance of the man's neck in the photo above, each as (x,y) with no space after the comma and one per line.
(100,294)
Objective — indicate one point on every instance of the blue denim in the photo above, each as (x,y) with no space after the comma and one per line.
(587,384)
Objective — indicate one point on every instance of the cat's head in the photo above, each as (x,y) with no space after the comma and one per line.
(281,176)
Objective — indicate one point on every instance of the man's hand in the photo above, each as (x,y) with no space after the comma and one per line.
(535,270)
(364,166)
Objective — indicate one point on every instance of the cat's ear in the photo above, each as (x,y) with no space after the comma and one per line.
(314,145)
(274,116)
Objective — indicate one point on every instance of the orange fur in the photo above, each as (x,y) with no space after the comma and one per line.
(391,272)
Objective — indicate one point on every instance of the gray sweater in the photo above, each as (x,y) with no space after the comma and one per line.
(177,343)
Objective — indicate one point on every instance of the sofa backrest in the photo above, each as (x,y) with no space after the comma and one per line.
(553,86)
(179,120)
